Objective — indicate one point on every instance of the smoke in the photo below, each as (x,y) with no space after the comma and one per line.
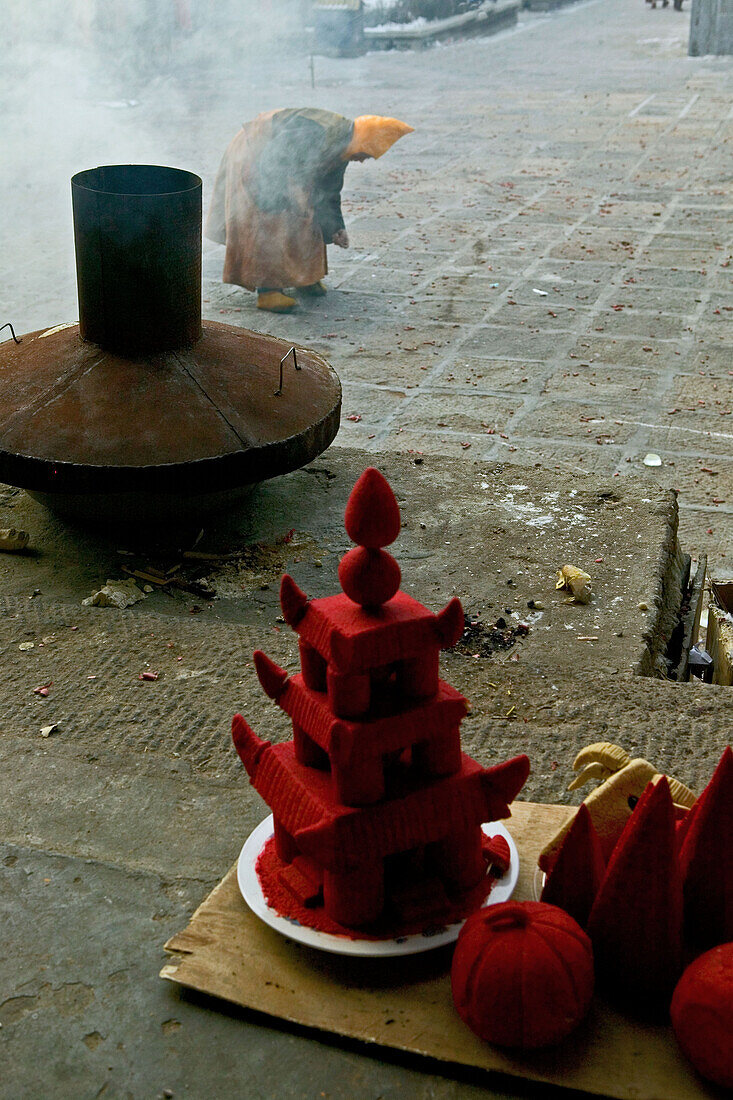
(92,82)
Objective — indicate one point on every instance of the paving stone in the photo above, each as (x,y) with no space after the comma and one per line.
(704,477)
(703,392)
(372,403)
(689,259)
(686,431)
(445,410)
(541,315)
(576,421)
(512,343)
(465,310)
(670,276)
(709,531)
(532,450)
(496,375)
(681,302)
(576,271)
(599,383)
(484,287)
(631,322)
(631,351)
(712,360)
(569,293)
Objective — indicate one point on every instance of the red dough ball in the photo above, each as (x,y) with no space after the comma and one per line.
(369,577)
(522,974)
(372,516)
(702,1014)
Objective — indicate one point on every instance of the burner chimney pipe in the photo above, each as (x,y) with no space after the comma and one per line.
(137,230)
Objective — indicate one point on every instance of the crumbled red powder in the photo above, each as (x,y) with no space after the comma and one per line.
(282,901)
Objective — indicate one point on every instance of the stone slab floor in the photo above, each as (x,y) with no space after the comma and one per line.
(539,274)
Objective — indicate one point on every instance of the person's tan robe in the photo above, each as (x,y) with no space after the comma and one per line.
(268,206)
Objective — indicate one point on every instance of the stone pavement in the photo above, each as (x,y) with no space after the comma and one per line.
(582,155)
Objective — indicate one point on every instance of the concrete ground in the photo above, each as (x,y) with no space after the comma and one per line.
(116,825)
(582,155)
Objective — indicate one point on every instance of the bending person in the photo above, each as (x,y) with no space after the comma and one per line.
(277,197)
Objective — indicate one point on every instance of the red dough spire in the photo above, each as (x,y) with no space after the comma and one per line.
(369,576)
(293,601)
(372,516)
(249,746)
(271,676)
(450,623)
(503,782)
(706,861)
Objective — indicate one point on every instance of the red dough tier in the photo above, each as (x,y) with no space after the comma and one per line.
(361,755)
(345,848)
(376,809)
(354,652)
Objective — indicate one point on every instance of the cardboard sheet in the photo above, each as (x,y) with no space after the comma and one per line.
(406,1003)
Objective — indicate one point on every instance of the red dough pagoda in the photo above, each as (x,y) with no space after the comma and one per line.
(377,811)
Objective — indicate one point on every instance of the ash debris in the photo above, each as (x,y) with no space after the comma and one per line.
(482,639)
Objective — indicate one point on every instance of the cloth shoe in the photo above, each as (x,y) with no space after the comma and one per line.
(275,301)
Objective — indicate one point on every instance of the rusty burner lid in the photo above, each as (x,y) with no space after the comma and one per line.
(140,397)
(75,418)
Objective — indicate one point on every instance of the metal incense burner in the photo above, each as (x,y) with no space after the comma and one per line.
(142,410)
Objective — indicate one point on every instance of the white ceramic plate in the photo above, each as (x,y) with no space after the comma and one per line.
(251,889)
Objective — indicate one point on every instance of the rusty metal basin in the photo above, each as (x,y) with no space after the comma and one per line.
(142,410)
(161,436)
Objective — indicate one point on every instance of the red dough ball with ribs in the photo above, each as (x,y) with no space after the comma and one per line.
(522,974)
(702,1014)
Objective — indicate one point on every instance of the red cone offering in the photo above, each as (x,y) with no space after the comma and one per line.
(706,861)
(576,875)
(636,920)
